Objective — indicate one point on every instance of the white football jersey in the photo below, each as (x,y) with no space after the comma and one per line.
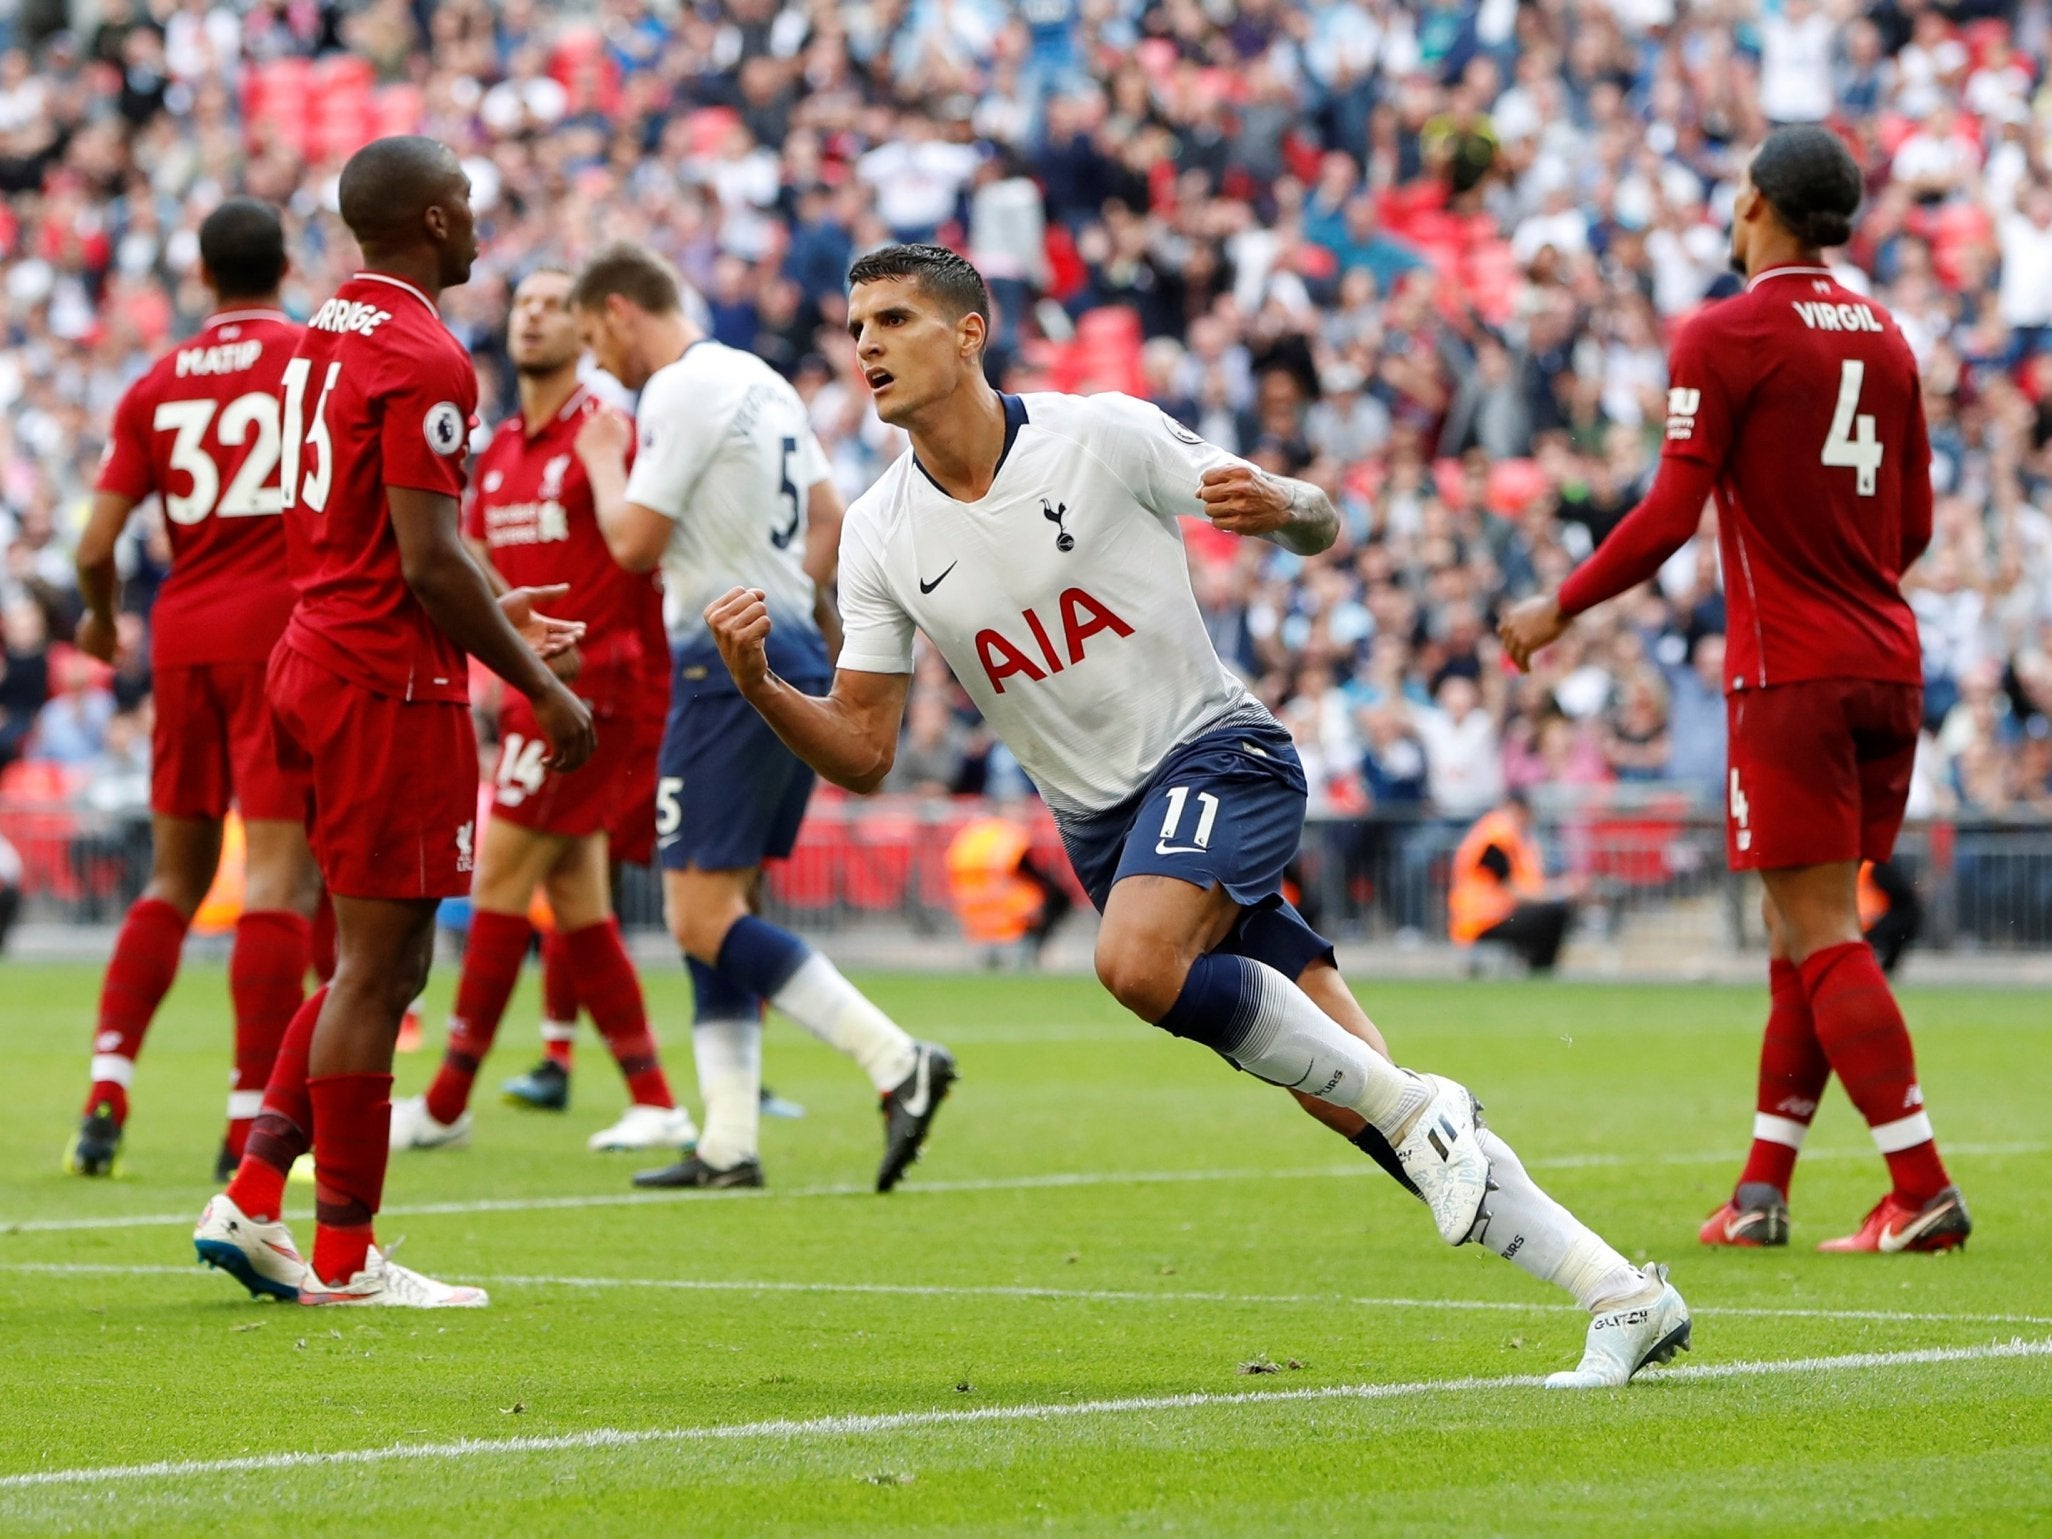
(727,452)
(1061,600)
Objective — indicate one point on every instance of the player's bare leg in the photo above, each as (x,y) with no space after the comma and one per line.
(1861,1032)
(267,967)
(184,853)
(1515,1219)
(1156,955)
(738,960)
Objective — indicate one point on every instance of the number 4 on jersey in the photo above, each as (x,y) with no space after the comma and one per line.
(1851,444)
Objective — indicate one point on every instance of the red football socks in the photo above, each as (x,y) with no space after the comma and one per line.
(491,968)
(352,1142)
(1862,1033)
(267,982)
(609,989)
(559,1001)
(138,977)
(283,1130)
(1793,1072)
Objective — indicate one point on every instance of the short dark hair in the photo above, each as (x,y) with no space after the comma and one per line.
(390,182)
(939,272)
(1809,178)
(243,244)
(633,272)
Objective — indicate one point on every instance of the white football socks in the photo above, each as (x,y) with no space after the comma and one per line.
(729,1055)
(1293,1043)
(819,999)
(1530,1230)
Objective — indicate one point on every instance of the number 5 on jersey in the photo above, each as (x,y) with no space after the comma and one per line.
(310,435)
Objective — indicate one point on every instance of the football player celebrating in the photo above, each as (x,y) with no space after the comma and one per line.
(369,688)
(1036,541)
(1797,404)
(729,485)
(200,432)
(530,512)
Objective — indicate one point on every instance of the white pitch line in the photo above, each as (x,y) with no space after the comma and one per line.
(1078,1295)
(1053,1181)
(903,1421)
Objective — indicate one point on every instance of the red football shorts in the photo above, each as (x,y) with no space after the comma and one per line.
(613,793)
(394,782)
(1819,771)
(214,745)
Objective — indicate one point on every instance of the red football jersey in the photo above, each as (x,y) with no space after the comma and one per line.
(378,394)
(200,430)
(531,505)
(1802,395)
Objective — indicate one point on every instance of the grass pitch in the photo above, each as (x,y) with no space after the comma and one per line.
(1050,1327)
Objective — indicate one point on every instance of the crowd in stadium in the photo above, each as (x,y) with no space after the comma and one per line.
(1428,256)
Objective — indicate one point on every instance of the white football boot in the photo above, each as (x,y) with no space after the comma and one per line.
(1625,1339)
(1445,1160)
(261,1257)
(385,1282)
(647,1127)
(414,1127)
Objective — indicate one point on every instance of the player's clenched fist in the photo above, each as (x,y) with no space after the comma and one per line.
(1242,500)
(603,439)
(739,620)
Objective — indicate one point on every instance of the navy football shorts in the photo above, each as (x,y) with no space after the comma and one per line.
(729,794)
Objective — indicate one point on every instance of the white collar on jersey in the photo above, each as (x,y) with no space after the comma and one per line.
(397,283)
(1787,272)
(232,317)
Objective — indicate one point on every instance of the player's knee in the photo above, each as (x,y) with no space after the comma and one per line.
(183,890)
(1145,979)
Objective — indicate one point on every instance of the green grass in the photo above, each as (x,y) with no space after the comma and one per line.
(1208,1225)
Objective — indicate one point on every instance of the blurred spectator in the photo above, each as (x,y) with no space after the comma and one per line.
(71,728)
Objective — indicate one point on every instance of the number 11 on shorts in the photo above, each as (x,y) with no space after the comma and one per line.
(1206,817)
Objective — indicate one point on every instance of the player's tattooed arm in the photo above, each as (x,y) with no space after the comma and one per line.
(1293,514)
(848,736)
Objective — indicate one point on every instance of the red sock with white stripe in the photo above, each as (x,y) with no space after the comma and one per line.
(559,1002)
(267,982)
(352,1143)
(139,975)
(1793,1073)
(283,1129)
(609,989)
(1862,1032)
(491,967)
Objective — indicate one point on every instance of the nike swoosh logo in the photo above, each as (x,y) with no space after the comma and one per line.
(1163,847)
(928,587)
(667,840)
(915,1103)
(1735,1227)
(1893,1240)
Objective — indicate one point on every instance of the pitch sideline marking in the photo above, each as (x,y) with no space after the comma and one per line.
(901,1421)
(1052,1181)
(1078,1295)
